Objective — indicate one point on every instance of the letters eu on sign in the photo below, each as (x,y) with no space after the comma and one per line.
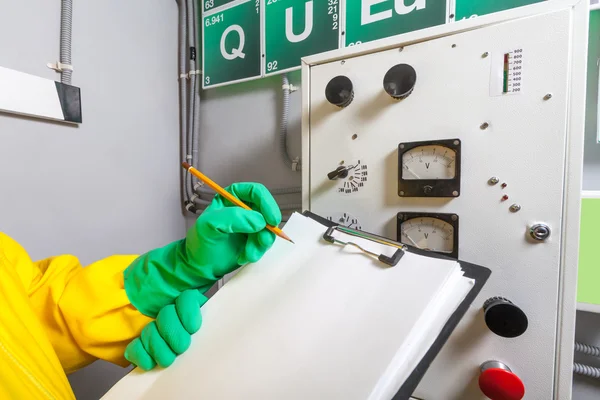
(298,28)
(368,20)
(231,44)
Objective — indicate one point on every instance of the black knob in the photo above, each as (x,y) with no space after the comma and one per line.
(339,91)
(504,318)
(399,81)
(339,172)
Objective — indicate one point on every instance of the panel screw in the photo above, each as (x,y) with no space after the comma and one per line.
(548,96)
(493,180)
(400,48)
(504,185)
(401,146)
(504,198)
(455,193)
(515,208)
(343,62)
(540,232)
(401,193)
(484,55)
(484,126)
(454,217)
(354,136)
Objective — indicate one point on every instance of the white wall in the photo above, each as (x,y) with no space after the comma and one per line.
(111,185)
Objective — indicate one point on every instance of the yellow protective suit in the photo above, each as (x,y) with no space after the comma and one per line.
(56,317)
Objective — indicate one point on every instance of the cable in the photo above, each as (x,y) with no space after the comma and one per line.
(66,27)
(293,164)
(587,349)
(586,370)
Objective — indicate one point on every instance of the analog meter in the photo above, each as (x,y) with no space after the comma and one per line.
(432,232)
(429,169)
(350,177)
(345,219)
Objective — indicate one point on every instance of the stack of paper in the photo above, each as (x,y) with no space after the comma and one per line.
(313,320)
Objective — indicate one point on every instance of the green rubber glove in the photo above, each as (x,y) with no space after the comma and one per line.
(170,335)
(223,238)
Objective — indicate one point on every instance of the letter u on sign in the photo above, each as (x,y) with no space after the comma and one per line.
(308,23)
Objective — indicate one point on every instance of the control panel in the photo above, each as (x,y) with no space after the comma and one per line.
(460,140)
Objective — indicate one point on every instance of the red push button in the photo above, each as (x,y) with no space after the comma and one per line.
(498,382)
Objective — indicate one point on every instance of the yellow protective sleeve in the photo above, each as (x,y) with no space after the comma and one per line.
(85,312)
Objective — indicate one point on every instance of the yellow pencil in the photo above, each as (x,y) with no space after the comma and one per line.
(214,186)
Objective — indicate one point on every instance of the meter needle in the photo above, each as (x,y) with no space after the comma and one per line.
(410,171)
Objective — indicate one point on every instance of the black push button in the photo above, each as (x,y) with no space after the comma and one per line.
(504,318)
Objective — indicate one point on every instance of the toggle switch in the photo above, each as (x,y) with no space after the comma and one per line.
(498,382)
(340,91)
(504,318)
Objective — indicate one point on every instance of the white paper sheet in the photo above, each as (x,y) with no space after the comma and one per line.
(310,321)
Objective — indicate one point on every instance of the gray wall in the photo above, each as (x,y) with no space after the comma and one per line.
(111,185)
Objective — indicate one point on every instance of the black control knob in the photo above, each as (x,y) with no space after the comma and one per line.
(340,91)
(400,81)
(504,318)
(339,172)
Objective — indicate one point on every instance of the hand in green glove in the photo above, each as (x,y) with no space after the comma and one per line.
(170,335)
(223,238)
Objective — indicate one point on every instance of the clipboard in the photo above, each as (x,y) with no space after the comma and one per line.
(476,272)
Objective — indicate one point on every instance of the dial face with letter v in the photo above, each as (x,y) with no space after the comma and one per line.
(429,168)
(428,231)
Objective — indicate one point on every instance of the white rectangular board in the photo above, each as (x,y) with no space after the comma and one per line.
(31,95)
(532,142)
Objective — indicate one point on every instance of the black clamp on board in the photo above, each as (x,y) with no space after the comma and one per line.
(391,261)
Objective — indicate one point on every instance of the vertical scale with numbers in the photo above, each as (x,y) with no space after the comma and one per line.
(512,71)
(231,42)
(298,28)
(507,72)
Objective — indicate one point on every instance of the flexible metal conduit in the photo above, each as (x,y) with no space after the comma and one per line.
(289,162)
(66,25)
(586,370)
(587,349)
(183,95)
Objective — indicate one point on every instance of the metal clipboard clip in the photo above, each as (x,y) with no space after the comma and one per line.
(391,261)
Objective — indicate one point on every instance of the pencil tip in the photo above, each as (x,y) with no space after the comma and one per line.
(292,241)
(185,165)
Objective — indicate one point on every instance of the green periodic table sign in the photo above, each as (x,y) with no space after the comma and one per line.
(298,28)
(231,40)
(474,8)
(210,4)
(368,20)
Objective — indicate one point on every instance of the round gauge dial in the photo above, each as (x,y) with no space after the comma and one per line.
(345,219)
(428,234)
(431,232)
(429,162)
(350,177)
